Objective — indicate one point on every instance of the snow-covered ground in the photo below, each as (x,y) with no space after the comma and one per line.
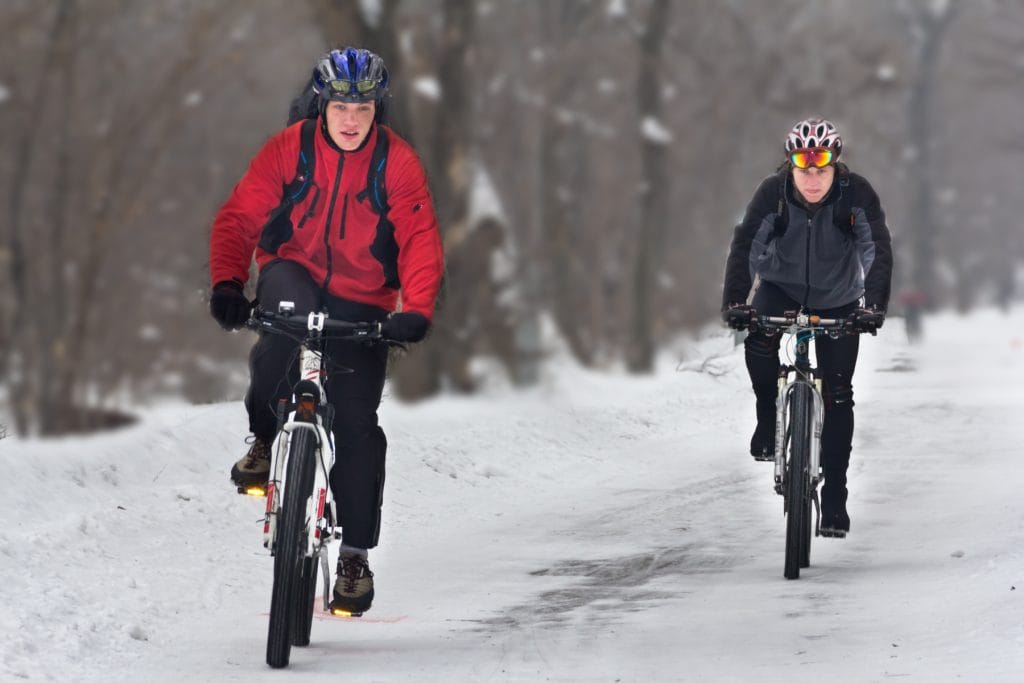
(599,527)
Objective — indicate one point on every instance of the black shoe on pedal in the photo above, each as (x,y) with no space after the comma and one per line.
(835,522)
(353,589)
(762,444)
(253,469)
(834,528)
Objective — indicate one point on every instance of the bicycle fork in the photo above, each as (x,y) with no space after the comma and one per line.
(786,387)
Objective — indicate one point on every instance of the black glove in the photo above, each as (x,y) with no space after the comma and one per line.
(405,327)
(868,319)
(738,316)
(228,305)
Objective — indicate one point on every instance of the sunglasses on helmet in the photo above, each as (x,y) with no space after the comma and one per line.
(818,157)
(344,87)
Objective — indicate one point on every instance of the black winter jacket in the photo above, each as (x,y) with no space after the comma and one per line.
(811,258)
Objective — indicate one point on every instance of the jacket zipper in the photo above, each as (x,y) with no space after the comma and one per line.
(330,215)
(344,215)
(807,262)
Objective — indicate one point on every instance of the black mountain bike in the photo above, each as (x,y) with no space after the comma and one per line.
(798,419)
(301,517)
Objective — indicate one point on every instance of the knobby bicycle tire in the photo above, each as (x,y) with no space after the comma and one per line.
(806,523)
(797,482)
(290,546)
(306,592)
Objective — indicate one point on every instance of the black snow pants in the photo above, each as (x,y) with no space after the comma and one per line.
(357,480)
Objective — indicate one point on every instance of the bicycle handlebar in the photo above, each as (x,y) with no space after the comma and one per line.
(805,321)
(315,325)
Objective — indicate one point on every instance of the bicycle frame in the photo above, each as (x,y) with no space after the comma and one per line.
(801,373)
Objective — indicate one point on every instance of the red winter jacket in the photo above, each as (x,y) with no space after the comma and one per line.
(332,228)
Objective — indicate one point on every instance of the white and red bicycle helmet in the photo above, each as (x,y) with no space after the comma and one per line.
(815,132)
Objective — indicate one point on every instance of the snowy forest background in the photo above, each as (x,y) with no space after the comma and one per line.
(588,159)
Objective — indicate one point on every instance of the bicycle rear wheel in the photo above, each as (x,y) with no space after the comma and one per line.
(798,510)
(290,547)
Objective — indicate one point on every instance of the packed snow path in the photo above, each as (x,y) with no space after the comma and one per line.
(599,527)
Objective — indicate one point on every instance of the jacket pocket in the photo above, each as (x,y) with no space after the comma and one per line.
(278,229)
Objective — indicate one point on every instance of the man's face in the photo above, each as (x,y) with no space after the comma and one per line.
(814,183)
(349,123)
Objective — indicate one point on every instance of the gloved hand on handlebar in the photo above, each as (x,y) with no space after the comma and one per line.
(228,305)
(405,327)
(868,319)
(738,316)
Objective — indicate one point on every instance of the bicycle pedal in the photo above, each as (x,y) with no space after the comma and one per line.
(256,491)
(832,533)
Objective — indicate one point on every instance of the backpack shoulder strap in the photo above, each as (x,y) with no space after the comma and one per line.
(305,166)
(375,190)
(842,211)
(782,210)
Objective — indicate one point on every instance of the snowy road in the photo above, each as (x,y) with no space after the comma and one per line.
(598,528)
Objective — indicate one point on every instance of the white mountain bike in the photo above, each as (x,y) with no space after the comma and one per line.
(301,516)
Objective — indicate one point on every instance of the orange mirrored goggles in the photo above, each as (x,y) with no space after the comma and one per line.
(818,157)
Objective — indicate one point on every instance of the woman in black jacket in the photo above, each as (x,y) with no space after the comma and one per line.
(813,238)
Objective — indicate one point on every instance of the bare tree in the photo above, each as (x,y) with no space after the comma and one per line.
(82,224)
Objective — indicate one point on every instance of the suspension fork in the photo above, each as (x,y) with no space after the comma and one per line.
(781,420)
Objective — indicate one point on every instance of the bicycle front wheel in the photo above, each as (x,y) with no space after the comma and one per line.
(798,499)
(290,548)
(306,596)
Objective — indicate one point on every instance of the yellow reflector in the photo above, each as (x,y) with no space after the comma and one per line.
(256,491)
(340,613)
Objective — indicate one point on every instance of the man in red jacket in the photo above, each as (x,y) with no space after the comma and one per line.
(323,242)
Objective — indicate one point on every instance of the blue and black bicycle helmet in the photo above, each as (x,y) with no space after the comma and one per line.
(352,75)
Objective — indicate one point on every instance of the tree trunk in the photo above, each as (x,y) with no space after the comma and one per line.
(653,193)
(926,232)
(449,169)
(30,333)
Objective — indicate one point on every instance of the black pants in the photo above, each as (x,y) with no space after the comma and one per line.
(836,360)
(357,479)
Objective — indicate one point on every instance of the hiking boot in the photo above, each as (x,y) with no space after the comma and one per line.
(254,467)
(353,590)
(835,522)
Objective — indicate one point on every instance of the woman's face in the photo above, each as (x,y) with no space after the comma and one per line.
(814,183)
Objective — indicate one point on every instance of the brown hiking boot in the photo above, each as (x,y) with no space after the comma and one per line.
(353,590)
(254,467)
